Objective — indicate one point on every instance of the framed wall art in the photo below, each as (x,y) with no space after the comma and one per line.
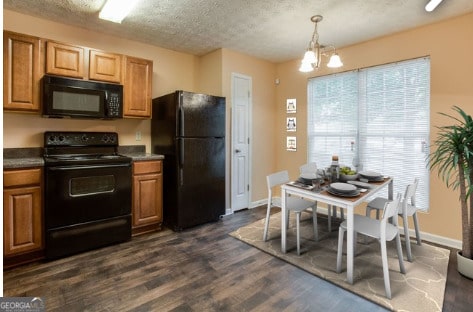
(291,106)
(291,143)
(291,124)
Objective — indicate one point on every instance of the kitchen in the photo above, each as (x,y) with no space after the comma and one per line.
(210,74)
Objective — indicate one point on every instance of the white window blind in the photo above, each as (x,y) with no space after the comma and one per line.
(378,118)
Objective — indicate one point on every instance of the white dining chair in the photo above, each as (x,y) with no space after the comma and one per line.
(383,231)
(311,168)
(295,204)
(407,209)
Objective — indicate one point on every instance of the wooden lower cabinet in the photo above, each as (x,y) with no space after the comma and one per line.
(147,209)
(22,216)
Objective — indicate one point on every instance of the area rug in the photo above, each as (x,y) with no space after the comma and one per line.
(420,289)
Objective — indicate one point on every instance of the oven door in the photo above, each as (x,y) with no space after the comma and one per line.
(84,193)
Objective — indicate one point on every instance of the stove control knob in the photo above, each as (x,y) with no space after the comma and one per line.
(84,138)
(61,138)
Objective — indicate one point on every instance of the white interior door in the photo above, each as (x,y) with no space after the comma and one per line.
(240,168)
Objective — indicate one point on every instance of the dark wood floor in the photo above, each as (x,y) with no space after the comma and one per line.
(202,269)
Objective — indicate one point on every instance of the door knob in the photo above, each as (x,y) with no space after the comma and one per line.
(237,151)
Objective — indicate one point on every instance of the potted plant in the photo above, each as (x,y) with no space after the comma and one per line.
(453,158)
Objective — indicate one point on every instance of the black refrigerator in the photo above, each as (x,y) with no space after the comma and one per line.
(189,130)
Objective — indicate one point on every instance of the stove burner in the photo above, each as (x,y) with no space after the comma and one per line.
(79,148)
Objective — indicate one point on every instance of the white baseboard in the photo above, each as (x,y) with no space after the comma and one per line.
(258,203)
(433,238)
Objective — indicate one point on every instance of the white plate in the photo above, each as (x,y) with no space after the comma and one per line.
(309,176)
(370,174)
(351,194)
(343,187)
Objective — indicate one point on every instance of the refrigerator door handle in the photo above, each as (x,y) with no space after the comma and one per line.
(181,162)
(181,121)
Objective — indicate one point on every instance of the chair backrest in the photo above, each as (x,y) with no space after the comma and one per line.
(308,168)
(412,194)
(409,196)
(391,209)
(275,179)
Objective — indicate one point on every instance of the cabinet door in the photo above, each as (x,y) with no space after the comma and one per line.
(64,60)
(22,220)
(105,66)
(137,87)
(147,199)
(21,72)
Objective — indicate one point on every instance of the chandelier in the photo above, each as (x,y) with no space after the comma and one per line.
(313,55)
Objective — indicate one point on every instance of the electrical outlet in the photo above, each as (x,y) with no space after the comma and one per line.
(138,136)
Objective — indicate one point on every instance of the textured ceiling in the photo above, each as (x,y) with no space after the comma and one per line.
(275,30)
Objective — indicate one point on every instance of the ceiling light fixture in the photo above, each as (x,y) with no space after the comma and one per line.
(313,55)
(116,10)
(429,7)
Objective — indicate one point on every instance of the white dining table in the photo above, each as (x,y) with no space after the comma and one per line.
(347,203)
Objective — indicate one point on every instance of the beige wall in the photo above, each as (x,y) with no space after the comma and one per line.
(209,74)
(450,47)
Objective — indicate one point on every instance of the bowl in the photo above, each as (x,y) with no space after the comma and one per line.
(348,177)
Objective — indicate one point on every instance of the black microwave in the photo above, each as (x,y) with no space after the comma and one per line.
(74,98)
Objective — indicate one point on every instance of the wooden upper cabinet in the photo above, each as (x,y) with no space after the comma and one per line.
(137,87)
(105,66)
(64,60)
(21,72)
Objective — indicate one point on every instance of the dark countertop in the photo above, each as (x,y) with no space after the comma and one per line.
(29,157)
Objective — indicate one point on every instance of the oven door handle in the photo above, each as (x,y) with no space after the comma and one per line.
(63,168)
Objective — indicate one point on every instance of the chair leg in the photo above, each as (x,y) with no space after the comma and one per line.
(384,258)
(341,234)
(416,226)
(266,222)
(342,215)
(298,233)
(314,221)
(399,254)
(406,237)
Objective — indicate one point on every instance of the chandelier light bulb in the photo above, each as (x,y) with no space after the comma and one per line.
(306,67)
(309,57)
(335,61)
